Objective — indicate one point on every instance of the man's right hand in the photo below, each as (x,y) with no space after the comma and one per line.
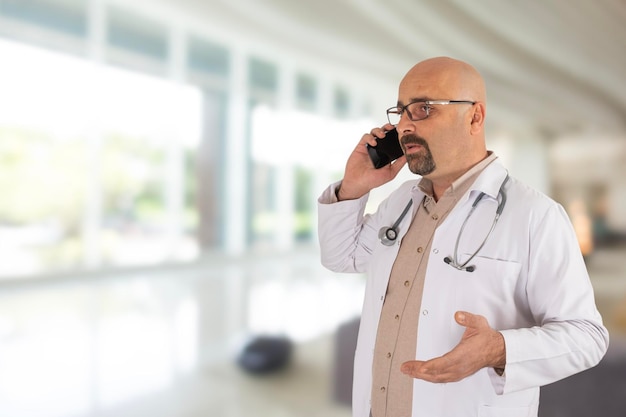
(360,176)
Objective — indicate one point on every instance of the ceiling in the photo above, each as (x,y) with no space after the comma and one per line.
(557,66)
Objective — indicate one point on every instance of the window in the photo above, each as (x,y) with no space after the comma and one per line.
(306,93)
(67,16)
(95,165)
(137,34)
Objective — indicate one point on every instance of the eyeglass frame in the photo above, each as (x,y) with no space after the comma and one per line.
(400,109)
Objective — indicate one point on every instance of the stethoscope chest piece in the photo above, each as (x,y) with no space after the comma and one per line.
(388,235)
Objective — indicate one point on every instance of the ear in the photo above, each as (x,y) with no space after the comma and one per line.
(478,118)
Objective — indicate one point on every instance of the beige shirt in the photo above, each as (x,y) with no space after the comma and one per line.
(396,339)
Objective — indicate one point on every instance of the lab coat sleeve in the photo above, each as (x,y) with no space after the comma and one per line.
(346,235)
(569,336)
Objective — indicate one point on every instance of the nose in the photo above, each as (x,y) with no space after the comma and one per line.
(405,125)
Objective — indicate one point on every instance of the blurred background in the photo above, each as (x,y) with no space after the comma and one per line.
(160,162)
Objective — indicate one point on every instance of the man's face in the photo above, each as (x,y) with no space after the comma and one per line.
(435,145)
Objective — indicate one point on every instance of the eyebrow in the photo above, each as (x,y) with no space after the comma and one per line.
(413,99)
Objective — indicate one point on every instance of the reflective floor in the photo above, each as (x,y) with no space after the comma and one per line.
(163,342)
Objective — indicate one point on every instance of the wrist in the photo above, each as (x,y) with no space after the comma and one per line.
(346,193)
(499,358)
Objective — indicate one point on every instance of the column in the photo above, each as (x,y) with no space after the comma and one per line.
(174,186)
(235,198)
(285,177)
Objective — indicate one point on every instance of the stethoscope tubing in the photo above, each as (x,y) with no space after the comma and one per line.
(388,235)
(501,204)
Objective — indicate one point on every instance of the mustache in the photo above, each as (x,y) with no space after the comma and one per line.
(413,139)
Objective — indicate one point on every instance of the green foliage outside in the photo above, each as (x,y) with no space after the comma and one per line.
(44,184)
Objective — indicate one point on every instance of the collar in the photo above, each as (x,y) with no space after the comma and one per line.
(489,181)
(460,186)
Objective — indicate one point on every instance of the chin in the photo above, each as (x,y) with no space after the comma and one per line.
(420,169)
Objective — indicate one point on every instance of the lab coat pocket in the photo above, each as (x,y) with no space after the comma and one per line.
(490,290)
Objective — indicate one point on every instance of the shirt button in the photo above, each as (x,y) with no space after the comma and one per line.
(397,317)
(407,283)
(389,354)
(435,250)
(425,312)
(382,389)
(435,217)
(420,249)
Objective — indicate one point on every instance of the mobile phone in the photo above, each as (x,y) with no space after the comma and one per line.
(387,149)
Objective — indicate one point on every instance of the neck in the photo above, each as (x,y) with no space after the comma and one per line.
(439,188)
(442,182)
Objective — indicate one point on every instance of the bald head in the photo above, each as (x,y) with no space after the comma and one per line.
(451,139)
(445,78)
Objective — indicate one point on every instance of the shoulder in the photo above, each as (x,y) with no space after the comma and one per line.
(522,200)
(517,192)
(526,196)
(538,211)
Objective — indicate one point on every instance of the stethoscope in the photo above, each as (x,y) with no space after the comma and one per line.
(388,235)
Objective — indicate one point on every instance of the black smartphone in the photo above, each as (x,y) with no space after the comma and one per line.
(387,149)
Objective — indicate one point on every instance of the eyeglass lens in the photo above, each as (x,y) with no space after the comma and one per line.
(415,111)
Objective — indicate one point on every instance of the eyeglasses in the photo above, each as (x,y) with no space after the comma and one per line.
(418,109)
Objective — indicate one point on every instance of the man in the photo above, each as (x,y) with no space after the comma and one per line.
(478,294)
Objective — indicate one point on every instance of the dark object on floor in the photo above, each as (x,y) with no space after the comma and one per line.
(264,354)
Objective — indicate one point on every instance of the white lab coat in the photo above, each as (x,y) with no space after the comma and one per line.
(530,283)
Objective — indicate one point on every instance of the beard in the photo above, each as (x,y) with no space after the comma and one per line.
(422,162)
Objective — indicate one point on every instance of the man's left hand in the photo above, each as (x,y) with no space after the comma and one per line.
(480,347)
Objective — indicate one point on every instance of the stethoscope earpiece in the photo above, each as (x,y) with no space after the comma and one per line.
(456,265)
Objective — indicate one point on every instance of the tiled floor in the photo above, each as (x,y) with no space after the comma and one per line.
(162,343)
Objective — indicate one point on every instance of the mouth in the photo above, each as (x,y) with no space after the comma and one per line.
(412,148)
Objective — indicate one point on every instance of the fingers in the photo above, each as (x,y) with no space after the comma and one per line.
(480,346)
(388,126)
(377,132)
(412,368)
(397,165)
(438,370)
(467,319)
(360,176)
(381,132)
